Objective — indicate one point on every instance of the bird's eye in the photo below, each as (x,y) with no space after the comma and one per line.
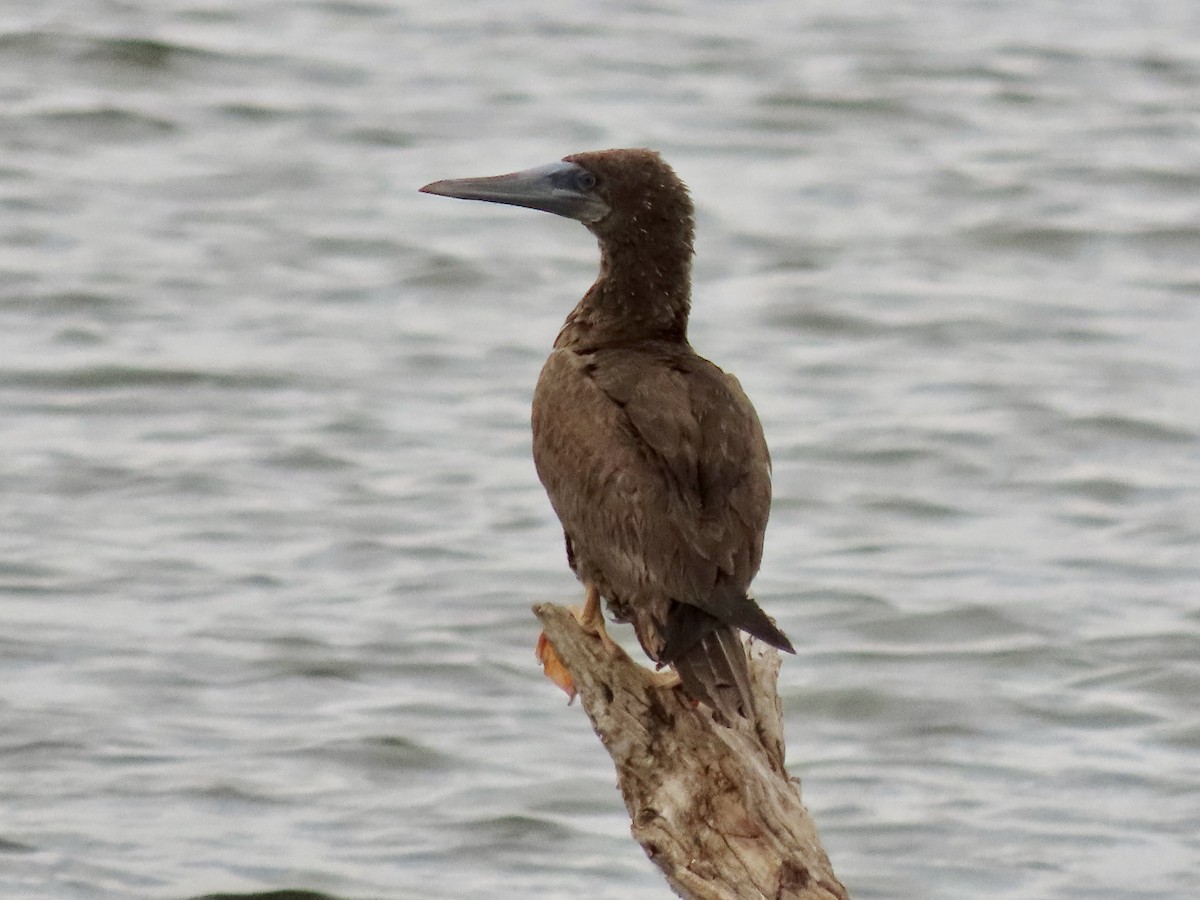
(585,180)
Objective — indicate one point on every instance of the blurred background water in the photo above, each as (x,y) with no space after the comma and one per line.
(269,528)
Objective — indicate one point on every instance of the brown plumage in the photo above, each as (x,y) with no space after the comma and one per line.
(653,458)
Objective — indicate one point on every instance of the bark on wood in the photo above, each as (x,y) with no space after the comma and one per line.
(712,805)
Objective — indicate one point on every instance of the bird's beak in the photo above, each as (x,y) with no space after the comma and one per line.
(562,188)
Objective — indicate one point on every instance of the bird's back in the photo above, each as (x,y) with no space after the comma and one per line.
(655,463)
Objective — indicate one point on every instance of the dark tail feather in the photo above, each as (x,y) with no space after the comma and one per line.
(740,611)
(714,671)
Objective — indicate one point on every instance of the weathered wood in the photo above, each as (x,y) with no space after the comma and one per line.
(712,805)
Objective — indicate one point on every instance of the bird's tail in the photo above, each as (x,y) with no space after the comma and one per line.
(714,669)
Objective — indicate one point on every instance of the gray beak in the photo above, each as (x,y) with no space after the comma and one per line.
(562,188)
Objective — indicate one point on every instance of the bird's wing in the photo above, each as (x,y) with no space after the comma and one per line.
(656,464)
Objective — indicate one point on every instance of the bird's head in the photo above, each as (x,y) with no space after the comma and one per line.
(625,194)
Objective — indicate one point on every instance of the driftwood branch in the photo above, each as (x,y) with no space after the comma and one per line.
(712,805)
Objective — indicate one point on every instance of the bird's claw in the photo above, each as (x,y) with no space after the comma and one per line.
(591,619)
(666,681)
(595,625)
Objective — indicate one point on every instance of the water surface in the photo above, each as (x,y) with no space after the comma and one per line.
(269,529)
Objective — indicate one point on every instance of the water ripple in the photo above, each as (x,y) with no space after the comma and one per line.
(269,528)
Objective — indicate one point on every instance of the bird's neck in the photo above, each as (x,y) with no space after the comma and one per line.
(638,296)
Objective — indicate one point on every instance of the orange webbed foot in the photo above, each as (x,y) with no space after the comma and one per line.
(554,668)
(592,619)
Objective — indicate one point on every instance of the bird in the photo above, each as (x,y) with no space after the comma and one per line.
(653,458)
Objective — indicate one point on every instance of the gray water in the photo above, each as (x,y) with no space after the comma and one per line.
(269,529)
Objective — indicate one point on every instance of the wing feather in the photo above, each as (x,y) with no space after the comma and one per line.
(655,462)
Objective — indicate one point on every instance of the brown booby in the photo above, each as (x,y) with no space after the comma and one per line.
(654,459)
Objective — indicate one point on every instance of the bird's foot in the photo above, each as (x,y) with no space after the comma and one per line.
(668,680)
(554,668)
(665,680)
(597,627)
(591,619)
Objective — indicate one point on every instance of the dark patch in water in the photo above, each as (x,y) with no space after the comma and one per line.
(110,123)
(106,377)
(1138,429)
(138,53)
(516,830)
